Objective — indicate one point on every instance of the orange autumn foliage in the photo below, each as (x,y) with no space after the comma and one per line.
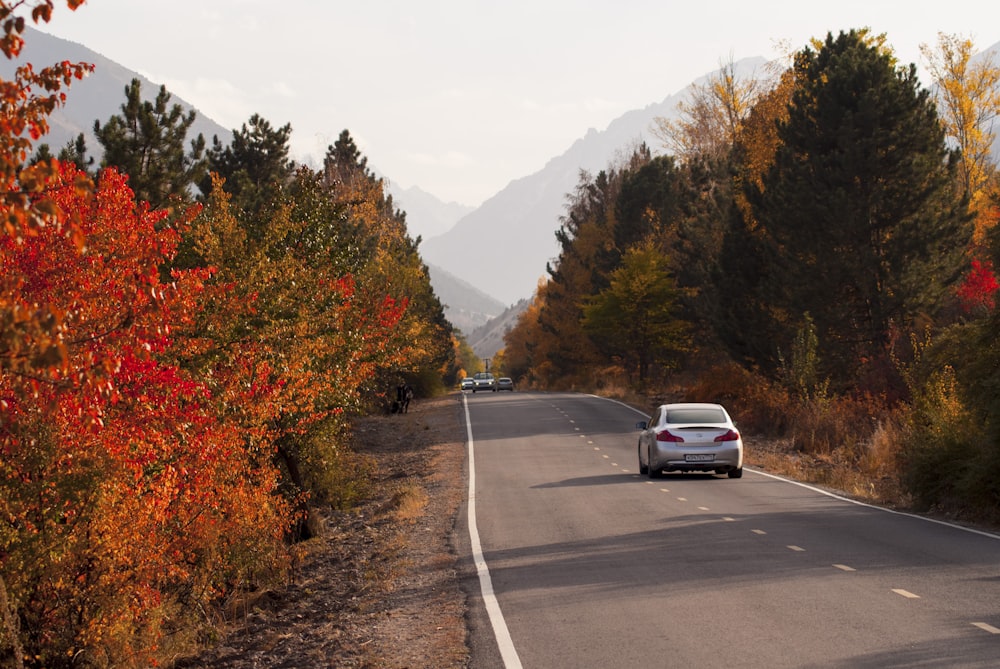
(123,491)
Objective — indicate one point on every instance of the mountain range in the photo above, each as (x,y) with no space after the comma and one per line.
(503,246)
(479,259)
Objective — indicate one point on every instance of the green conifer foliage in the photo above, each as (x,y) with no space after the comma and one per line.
(863,219)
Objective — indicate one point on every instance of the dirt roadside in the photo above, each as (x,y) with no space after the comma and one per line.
(381,588)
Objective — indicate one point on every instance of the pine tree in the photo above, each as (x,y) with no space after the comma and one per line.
(255,165)
(866,228)
(146,141)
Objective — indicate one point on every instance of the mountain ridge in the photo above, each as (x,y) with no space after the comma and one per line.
(516,227)
(90,99)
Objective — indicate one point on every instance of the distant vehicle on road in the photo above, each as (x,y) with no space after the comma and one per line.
(468,383)
(483,381)
(690,437)
(505,383)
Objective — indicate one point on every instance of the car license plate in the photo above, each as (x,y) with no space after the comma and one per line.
(699,457)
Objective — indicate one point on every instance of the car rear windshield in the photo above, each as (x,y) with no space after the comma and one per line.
(700,416)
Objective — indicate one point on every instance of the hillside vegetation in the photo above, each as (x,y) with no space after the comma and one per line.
(817,252)
(187,331)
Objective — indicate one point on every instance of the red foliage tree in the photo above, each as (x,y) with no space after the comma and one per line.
(977,291)
(123,492)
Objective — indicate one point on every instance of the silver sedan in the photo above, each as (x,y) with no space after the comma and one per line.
(690,437)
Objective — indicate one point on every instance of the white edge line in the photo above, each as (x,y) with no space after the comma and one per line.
(507,651)
(981,533)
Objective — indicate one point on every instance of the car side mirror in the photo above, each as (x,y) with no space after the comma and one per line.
(641,425)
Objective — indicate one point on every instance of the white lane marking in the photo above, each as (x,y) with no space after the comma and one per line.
(682,499)
(905,593)
(872,506)
(606,457)
(664,489)
(797,549)
(758,531)
(986,627)
(844,567)
(703,508)
(506,645)
(728,519)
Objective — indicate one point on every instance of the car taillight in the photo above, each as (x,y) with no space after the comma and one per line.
(731,435)
(665,435)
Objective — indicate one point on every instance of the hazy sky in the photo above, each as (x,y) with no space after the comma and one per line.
(459,97)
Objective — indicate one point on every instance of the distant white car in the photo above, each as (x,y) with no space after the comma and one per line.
(690,437)
(483,381)
(468,383)
(505,383)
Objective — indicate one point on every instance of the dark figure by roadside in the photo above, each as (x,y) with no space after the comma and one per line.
(403,396)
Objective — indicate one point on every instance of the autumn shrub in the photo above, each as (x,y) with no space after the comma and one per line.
(948,449)
(131,504)
(758,405)
(336,475)
(826,424)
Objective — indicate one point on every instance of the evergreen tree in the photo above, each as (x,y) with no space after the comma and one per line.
(865,226)
(650,202)
(75,152)
(146,142)
(255,165)
(344,162)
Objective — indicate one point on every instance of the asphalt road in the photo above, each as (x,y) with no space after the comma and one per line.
(593,565)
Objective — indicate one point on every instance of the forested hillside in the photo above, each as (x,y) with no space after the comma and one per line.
(818,253)
(186,332)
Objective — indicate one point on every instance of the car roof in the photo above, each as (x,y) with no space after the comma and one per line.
(692,405)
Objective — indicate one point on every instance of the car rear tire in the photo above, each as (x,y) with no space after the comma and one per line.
(736,473)
(653,473)
(643,469)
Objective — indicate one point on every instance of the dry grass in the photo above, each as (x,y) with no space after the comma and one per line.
(411,502)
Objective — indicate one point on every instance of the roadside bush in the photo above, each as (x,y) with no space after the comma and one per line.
(951,460)
(757,405)
(823,425)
